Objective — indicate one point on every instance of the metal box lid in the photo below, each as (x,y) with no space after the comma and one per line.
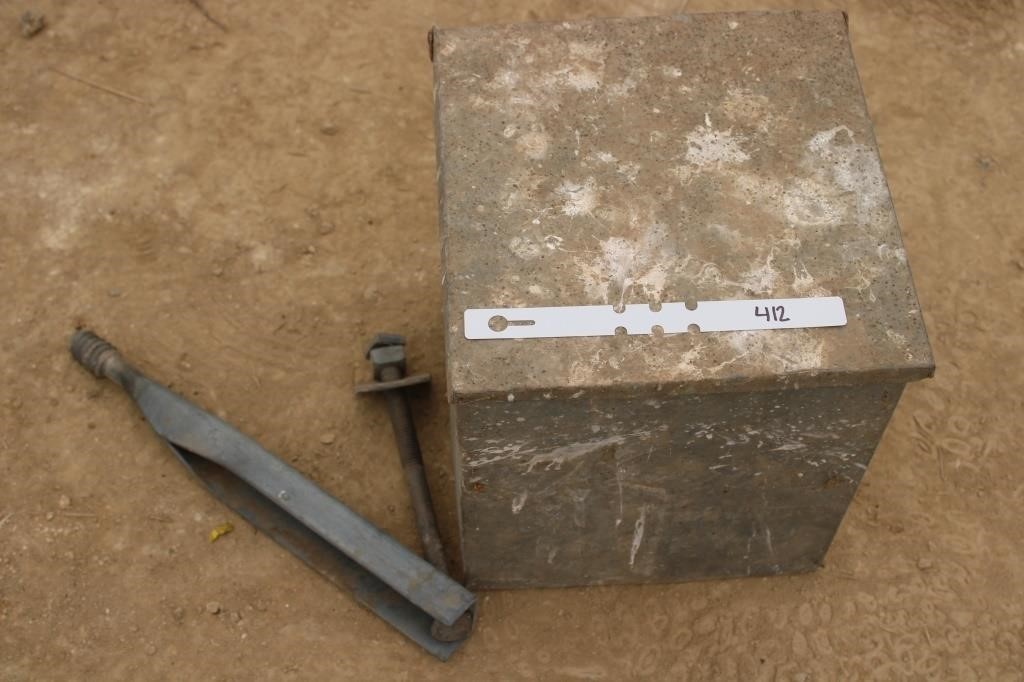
(683,158)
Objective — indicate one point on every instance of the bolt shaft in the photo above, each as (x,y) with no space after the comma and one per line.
(415,474)
(419,494)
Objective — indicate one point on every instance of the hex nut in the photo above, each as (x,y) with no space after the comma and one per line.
(383,357)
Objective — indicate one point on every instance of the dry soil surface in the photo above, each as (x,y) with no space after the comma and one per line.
(239,209)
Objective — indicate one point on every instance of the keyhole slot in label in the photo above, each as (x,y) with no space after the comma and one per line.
(500,323)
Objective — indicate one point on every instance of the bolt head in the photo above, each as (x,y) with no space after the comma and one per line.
(384,339)
(386,350)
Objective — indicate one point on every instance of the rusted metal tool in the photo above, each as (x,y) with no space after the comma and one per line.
(400,587)
(387,354)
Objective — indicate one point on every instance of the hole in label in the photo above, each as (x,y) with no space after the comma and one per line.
(691,304)
(620,331)
(500,323)
(693,329)
(619,307)
(657,330)
(655,306)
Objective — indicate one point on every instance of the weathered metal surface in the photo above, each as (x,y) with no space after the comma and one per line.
(384,576)
(608,491)
(703,157)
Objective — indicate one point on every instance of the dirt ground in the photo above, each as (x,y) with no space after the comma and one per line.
(241,209)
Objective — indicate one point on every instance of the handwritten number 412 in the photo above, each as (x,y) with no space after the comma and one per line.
(774,313)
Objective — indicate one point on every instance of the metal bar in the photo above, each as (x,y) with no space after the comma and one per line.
(276,498)
(315,552)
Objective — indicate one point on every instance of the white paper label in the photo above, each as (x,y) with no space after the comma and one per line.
(673,318)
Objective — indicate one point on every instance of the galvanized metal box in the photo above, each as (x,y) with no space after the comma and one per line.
(702,157)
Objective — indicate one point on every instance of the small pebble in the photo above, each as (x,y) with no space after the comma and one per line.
(329,129)
(218,271)
(924,564)
(213,607)
(64,502)
(150,649)
(178,614)
(236,617)
(49,516)
(114,293)
(32,23)
(327,438)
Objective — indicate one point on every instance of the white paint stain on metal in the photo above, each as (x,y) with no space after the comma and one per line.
(799,351)
(638,535)
(553,242)
(627,264)
(534,145)
(579,198)
(707,147)
(761,278)
(555,459)
(618,482)
(809,203)
(524,247)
